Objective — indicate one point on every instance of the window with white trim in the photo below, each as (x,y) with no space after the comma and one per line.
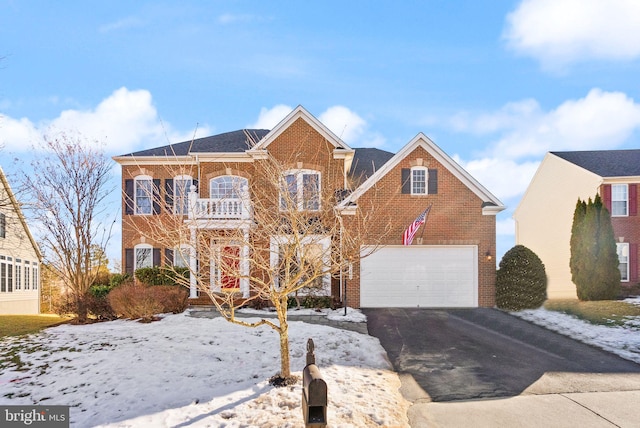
(6,274)
(143,195)
(18,274)
(619,200)
(227,187)
(300,190)
(34,276)
(27,275)
(181,188)
(182,256)
(142,256)
(419,178)
(307,261)
(622,248)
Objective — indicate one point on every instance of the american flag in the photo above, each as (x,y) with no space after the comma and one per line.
(407,236)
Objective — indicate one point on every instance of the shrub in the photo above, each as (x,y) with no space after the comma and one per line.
(135,302)
(119,279)
(162,276)
(312,302)
(144,302)
(521,281)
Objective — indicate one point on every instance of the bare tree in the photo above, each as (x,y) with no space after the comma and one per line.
(287,238)
(67,186)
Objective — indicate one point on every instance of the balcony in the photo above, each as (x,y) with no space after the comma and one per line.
(219,213)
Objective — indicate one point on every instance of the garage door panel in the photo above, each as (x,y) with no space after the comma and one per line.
(425,276)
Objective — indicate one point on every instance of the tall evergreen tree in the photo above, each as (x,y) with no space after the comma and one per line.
(594,260)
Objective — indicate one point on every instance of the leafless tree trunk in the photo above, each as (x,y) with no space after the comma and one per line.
(67,186)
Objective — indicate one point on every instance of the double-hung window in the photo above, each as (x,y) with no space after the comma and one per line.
(418,180)
(300,190)
(622,248)
(181,188)
(619,200)
(143,195)
(143,256)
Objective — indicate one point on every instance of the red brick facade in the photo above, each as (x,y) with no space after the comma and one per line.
(456,216)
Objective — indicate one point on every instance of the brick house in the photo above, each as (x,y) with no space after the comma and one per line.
(545,214)
(19,258)
(448,264)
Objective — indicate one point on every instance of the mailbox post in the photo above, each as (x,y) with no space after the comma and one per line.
(314,392)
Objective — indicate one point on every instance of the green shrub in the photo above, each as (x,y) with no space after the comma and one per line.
(312,302)
(162,276)
(521,281)
(119,279)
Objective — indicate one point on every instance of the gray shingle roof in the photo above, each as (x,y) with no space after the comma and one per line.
(606,163)
(229,142)
(366,161)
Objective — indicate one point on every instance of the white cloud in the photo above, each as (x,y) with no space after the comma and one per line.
(350,127)
(561,32)
(124,23)
(506,227)
(599,121)
(504,178)
(125,121)
(343,122)
(269,118)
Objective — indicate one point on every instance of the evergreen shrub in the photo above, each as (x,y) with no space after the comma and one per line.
(521,280)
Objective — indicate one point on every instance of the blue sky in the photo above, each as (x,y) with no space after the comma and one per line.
(495,84)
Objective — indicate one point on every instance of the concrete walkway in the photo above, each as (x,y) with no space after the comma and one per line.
(359,327)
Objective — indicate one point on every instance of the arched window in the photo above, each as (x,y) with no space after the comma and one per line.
(227,187)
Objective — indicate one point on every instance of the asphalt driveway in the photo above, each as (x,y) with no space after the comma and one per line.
(463,354)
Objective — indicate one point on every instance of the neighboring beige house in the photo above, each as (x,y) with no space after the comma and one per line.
(19,258)
(544,217)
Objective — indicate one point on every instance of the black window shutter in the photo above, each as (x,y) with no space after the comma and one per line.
(128,196)
(195,183)
(433,182)
(156,257)
(168,257)
(406,181)
(168,195)
(156,196)
(128,261)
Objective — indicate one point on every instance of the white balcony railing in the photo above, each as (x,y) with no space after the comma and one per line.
(219,209)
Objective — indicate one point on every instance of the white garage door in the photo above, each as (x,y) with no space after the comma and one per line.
(420,276)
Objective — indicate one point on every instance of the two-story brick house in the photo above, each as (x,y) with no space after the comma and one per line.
(206,182)
(545,214)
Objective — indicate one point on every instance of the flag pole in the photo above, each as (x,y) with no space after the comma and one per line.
(424,225)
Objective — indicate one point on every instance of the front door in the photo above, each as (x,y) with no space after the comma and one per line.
(229,270)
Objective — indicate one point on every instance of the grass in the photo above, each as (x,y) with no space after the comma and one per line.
(601,312)
(16,325)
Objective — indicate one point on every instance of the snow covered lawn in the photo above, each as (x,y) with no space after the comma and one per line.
(623,341)
(184,371)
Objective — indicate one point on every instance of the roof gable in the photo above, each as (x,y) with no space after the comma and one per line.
(490,202)
(300,113)
(16,207)
(605,163)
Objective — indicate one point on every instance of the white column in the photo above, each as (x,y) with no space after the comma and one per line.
(244,282)
(193,265)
